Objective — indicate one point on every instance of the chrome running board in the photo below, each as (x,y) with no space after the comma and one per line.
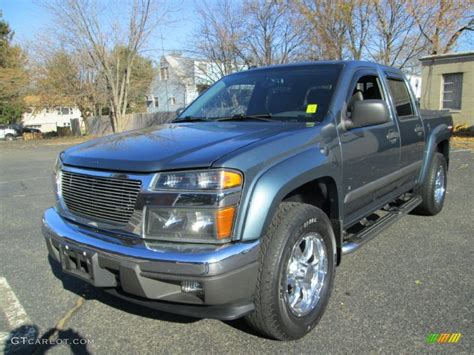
(392,214)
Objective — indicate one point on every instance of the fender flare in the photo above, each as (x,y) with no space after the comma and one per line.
(275,183)
(437,135)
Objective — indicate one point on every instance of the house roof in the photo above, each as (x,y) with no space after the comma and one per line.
(448,58)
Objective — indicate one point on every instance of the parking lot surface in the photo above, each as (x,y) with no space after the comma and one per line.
(414,279)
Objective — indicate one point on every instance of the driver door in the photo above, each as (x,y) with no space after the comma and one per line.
(370,154)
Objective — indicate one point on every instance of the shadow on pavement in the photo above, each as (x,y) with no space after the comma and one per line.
(26,340)
(83,289)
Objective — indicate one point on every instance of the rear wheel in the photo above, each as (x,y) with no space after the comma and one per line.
(9,137)
(296,272)
(433,191)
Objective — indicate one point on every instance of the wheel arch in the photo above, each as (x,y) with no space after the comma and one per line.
(438,141)
(292,180)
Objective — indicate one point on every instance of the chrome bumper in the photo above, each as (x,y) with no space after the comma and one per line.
(154,271)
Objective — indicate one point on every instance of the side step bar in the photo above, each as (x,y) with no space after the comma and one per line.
(359,239)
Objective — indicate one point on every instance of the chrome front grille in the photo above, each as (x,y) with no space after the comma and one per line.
(106,199)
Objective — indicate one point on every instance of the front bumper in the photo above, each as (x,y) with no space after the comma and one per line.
(151,273)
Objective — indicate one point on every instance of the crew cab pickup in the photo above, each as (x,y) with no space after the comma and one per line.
(245,204)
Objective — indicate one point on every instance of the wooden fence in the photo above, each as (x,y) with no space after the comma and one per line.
(100,126)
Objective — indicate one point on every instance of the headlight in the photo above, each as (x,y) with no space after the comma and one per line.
(198,180)
(203,211)
(191,225)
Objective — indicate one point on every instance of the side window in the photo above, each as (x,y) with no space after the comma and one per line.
(366,88)
(401,98)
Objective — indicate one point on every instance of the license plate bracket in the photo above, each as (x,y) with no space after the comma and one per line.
(84,265)
(77,262)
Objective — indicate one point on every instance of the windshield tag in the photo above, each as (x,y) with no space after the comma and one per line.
(311,108)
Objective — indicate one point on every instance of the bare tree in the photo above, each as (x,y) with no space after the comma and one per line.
(396,40)
(97,28)
(326,28)
(442,22)
(220,37)
(357,15)
(233,36)
(272,32)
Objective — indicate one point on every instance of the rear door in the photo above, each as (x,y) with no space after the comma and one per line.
(370,154)
(412,135)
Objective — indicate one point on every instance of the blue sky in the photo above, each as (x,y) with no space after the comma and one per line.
(28,17)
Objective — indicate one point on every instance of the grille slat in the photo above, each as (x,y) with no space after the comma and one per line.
(100,198)
(102,186)
(101,208)
(97,215)
(103,197)
(100,178)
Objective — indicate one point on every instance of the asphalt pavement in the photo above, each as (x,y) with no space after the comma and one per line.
(414,279)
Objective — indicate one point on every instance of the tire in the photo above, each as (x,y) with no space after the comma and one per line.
(9,137)
(294,225)
(433,191)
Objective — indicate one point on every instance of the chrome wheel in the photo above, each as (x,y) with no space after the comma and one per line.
(306,274)
(440,188)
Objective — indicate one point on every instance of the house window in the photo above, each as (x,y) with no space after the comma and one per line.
(452,91)
(202,68)
(149,101)
(172,100)
(157,103)
(164,73)
(65,110)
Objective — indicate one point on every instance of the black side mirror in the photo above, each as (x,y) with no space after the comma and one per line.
(368,113)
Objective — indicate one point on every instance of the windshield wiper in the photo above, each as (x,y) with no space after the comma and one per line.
(190,119)
(241,117)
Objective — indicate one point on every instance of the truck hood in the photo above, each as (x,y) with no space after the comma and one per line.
(170,146)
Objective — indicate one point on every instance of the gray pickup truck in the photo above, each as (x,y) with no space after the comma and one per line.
(246,203)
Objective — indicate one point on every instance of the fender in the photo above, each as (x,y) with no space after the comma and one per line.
(437,135)
(275,183)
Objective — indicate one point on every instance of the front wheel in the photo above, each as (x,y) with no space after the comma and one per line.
(9,137)
(296,272)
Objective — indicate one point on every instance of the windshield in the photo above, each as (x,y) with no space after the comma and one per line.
(298,94)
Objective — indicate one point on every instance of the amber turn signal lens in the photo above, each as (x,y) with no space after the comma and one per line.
(224,222)
(230,179)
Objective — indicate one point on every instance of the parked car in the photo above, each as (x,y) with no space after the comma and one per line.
(247,202)
(30,130)
(6,133)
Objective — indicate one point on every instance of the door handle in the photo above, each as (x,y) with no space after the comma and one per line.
(392,136)
(419,130)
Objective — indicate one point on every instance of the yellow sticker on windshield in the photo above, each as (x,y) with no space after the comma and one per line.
(311,108)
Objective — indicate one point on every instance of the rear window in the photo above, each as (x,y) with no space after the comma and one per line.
(401,98)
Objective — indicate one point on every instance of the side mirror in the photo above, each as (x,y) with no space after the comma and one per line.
(368,113)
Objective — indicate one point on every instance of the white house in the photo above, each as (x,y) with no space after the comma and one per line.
(415,82)
(180,81)
(49,118)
